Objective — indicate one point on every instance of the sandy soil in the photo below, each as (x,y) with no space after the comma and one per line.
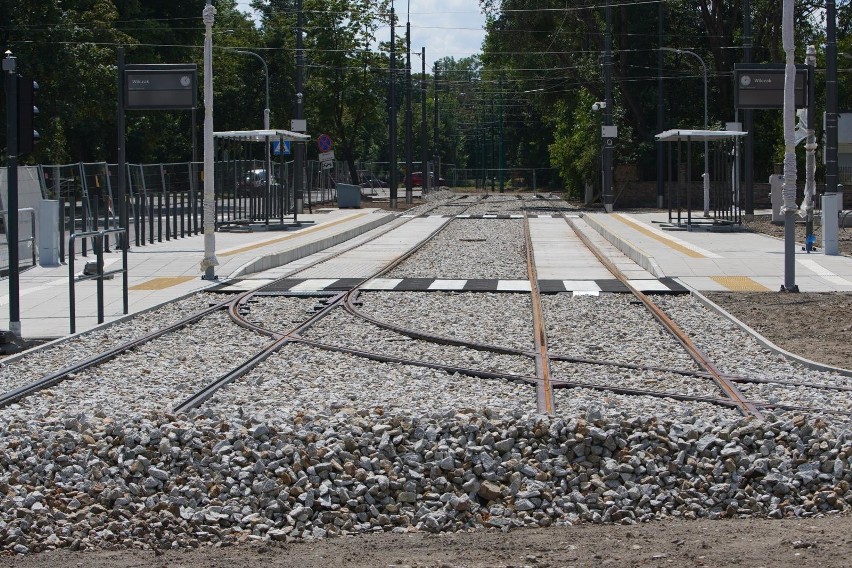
(816,326)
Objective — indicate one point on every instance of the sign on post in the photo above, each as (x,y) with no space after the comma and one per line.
(326,157)
(276,148)
(761,86)
(324,143)
(161,86)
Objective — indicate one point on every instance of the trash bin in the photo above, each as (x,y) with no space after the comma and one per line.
(348,195)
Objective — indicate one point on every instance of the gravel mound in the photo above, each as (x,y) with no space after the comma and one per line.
(160,481)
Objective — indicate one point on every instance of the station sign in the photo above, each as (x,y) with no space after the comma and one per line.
(761,86)
(161,86)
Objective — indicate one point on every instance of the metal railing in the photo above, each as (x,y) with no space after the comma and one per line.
(4,243)
(98,241)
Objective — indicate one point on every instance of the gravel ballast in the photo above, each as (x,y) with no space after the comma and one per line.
(314,443)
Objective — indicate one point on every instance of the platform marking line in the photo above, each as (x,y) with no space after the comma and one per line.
(740,284)
(447,284)
(163,282)
(823,272)
(262,244)
(577,286)
(682,247)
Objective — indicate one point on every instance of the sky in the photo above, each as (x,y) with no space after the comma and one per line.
(446,28)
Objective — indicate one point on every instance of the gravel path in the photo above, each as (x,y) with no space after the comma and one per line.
(16,372)
(301,379)
(344,329)
(470,248)
(610,327)
(493,319)
(153,377)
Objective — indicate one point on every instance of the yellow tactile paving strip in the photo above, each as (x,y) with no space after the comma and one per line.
(163,282)
(740,284)
(648,233)
(291,236)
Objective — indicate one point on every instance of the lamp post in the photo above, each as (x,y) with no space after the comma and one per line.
(266,76)
(706,175)
(267,157)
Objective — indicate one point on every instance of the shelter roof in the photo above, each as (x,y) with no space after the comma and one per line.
(680,134)
(262,135)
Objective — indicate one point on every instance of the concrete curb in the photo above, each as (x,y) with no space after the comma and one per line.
(631,251)
(813,365)
(277,259)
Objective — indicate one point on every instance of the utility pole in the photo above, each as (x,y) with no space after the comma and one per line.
(607,193)
(831,185)
(661,169)
(748,118)
(810,152)
(392,96)
(435,121)
(424,137)
(10,76)
(299,150)
(500,141)
(209,262)
(408,117)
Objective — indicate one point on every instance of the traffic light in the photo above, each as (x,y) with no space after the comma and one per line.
(27,111)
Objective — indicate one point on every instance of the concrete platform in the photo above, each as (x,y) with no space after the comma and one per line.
(162,272)
(718,261)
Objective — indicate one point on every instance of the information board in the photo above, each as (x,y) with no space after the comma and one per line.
(161,86)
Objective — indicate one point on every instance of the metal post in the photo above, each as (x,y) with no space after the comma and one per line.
(810,152)
(748,118)
(500,141)
(607,190)
(10,65)
(209,262)
(831,185)
(299,147)
(122,152)
(435,118)
(392,96)
(408,116)
(660,107)
(706,177)
(424,137)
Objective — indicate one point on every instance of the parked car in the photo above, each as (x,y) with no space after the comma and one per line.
(368,180)
(417,179)
(253,183)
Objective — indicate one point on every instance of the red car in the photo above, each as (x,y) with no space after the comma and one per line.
(417,179)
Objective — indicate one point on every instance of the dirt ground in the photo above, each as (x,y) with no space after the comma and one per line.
(816,326)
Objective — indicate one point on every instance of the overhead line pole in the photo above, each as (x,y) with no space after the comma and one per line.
(392,96)
(606,192)
(209,262)
(424,136)
(299,157)
(408,115)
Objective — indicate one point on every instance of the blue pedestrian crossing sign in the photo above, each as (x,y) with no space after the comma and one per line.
(276,148)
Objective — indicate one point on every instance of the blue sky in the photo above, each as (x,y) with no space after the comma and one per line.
(445,27)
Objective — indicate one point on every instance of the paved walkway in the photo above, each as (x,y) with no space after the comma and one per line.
(165,271)
(718,261)
(636,242)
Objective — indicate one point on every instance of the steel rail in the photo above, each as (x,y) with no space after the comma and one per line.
(57,377)
(234,308)
(562,383)
(746,407)
(281,339)
(544,391)
(434,338)
(511,377)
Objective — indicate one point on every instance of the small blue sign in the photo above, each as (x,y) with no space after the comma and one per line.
(276,148)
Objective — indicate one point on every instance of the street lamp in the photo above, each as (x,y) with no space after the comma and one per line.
(266,75)
(706,153)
